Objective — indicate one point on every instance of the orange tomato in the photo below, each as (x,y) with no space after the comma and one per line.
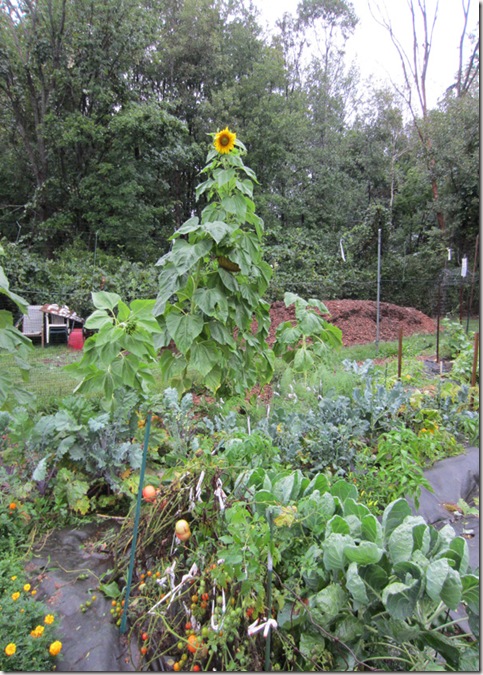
(149,493)
(196,668)
(194,643)
(144,650)
(177,666)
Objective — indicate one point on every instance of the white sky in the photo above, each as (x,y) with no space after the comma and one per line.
(372,47)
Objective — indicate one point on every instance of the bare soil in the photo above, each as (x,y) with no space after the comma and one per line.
(357,320)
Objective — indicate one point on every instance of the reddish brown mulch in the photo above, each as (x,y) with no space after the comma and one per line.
(357,320)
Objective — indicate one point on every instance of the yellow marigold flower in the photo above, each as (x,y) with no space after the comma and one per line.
(13,578)
(49,619)
(16,595)
(37,631)
(34,592)
(10,649)
(27,588)
(224,141)
(55,648)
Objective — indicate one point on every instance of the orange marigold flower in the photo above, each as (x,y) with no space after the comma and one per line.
(16,595)
(34,592)
(10,649)
(37,631)
(55,648)
(12,506)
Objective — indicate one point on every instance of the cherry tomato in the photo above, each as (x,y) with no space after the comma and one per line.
(144,636)
(194,643)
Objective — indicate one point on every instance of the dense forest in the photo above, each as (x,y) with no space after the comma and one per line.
(105,114)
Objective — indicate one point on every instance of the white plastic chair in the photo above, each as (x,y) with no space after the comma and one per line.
(31,324)
(56,325)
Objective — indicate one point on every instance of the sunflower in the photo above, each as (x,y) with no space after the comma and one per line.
(224,141)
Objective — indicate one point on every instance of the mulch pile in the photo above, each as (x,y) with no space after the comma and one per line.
(357,320)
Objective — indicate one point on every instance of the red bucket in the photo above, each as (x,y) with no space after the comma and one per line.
(76,338)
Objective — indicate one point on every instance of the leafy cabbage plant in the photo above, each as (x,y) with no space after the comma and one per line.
(358,591)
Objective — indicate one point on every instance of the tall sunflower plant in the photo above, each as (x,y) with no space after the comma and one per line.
(212,281)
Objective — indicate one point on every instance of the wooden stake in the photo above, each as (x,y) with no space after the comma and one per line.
(399,353)
(475,359)
(475,363)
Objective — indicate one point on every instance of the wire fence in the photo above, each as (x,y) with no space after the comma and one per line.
(450,295)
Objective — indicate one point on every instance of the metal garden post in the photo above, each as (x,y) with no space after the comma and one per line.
(136,523)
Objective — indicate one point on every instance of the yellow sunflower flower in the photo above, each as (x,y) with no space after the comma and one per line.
(55,648)
(49,618)
(224,141)
(15,596)
(10,649)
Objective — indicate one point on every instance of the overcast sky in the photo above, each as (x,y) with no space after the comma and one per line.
(374,50)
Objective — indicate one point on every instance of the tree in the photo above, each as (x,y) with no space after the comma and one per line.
(68,70)
(415,60)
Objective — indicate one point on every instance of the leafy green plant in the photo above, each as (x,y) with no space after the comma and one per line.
(12,345)
(325,436)
(84,451)
(455,340)
(303,344)
(211,286)
(120,353)
(376,592)
(395,469)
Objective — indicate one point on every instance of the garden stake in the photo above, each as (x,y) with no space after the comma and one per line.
(136,524)
(378,301)
(475,363)
(269,593)
(399,353)
(470,303)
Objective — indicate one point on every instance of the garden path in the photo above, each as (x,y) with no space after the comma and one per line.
(68,571)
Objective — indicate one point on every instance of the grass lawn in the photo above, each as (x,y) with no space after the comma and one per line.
(47,380)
